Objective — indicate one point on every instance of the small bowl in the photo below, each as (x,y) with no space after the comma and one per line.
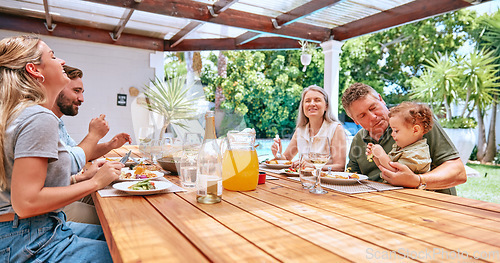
(262,177)
(169,164)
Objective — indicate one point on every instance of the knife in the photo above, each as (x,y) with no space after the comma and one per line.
(124,159)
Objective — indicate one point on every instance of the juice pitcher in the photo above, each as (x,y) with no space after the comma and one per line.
(240,166)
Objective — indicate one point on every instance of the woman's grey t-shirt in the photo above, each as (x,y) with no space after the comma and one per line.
(34,133)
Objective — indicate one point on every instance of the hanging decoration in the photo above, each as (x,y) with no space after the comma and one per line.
(307,51)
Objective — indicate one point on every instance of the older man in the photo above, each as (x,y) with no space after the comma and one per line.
(89,148)
(367,108)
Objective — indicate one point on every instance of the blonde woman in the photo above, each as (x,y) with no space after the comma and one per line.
(35,177)
(316,119)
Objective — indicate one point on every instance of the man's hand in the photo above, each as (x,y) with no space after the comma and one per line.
(403,176)
(99,127)
(119,140)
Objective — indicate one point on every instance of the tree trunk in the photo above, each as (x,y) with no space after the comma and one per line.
(164,127)
(222,70)
(491,147)
(481,137)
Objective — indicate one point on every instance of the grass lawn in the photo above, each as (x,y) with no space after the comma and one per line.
(482,188)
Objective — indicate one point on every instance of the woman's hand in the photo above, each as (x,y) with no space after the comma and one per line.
(276,147)
(88,173)
(107,173)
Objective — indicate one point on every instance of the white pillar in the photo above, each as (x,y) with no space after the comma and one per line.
(156,61)
(332,49)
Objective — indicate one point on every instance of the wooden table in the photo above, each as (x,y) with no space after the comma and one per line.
(280,221)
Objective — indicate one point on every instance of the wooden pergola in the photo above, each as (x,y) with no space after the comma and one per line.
(187,25)
(196,25)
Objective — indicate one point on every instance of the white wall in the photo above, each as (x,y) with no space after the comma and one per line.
(107,70)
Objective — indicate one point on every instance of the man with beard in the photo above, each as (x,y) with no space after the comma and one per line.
(68,102)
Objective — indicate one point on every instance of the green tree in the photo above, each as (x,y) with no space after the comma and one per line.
(489,38)
(265,86)
(392,57)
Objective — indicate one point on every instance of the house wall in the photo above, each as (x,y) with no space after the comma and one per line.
(108,70)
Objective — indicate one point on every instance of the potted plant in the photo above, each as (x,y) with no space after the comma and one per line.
(468,81)
(307,51)
(171,99)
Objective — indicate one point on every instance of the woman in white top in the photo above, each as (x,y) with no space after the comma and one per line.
(315,119)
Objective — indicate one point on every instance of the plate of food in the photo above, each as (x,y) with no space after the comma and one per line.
(342,178)
(278,164)
(138,173)
(291,172)
(144,187)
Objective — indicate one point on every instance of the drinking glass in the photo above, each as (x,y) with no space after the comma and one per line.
(306,172)
(319,154)
(146,136)
(188,166)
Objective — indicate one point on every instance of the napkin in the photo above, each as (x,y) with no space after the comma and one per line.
(110,191)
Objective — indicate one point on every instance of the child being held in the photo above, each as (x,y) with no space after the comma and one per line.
(409,122)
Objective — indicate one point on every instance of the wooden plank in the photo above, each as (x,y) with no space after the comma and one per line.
(198,11)
(210,236)
(477,205)
(406,13)
(307,9)
(375,215)
(318,226)
(136,232)
(364,231)
(262,43)
(278,243)
(36,26)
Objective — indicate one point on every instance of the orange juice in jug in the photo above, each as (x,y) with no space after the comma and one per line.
(240,166)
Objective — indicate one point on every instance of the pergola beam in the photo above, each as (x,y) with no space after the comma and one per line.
(410,12)
(289,17)
(270,43)
(115,35)
(36,26)
(302,11)
(181,35)
(48,18)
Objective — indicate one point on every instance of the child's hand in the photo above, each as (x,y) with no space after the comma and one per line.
(369,152)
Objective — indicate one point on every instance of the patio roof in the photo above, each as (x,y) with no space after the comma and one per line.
(186,25)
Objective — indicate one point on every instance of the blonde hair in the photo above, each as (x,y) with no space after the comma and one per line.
(302,120)
(18,89)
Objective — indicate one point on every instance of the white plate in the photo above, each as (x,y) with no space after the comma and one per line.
(160,186)
(280,165)
(291,174)
(158,174)
(329,180)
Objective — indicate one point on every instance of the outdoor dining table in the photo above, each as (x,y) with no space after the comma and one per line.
(281,222)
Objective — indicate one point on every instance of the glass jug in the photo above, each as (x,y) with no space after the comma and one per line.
(240,166)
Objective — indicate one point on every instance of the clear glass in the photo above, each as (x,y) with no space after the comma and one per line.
(189,160)
(319,154)
(146,136)
(306,172)
(158,147)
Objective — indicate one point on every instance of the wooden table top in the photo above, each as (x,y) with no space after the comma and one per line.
(279,221)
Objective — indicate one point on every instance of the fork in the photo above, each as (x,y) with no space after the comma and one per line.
(367,185)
